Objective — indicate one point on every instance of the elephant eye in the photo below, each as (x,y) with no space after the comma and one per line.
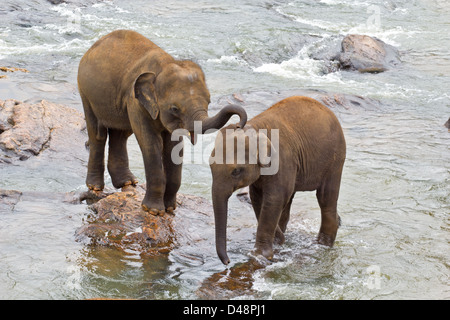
(174,109)
(236,172)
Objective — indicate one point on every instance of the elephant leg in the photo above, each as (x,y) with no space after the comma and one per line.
(282,223)
(327,196)
(256,199)
(151,145)
(118,166)
(97,139)
(271,209)
(173,172)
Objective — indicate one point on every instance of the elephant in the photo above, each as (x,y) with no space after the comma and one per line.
(128,85)
(307,151)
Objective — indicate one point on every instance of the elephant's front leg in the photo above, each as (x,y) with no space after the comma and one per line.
(151,144)
(173,164)
(269,216)
(155,177)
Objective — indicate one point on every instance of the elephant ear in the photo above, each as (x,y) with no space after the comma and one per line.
(144,91)
(268,152)
(264,149)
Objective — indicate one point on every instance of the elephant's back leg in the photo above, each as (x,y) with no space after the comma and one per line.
(118,164)
(97,138)
(282,223)
(327,196)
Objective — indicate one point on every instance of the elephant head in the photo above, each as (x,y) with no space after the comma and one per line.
(238,159)
(178,96)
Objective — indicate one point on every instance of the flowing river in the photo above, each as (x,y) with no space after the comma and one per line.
(395,195)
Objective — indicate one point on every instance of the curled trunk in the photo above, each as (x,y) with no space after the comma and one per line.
(218,121)
(221,118)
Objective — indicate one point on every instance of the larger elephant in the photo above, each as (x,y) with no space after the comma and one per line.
(130,85)
(300,147)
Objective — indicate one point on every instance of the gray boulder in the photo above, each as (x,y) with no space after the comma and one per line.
(367,54)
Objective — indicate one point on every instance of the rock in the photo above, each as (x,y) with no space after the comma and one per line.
(447,124)
(119,221)
(367,54)
(328,50)
(8,199)
(7,69)
(231,282)
(27,130)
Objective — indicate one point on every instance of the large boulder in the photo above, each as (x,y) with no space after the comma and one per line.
(118,220)
(367,54)
(27,130)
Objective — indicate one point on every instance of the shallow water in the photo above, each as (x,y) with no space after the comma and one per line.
(394,201)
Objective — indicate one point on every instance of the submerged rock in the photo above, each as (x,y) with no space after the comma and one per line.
(13,69)
(27,130)
(367,54)
(8,199)
(230,283)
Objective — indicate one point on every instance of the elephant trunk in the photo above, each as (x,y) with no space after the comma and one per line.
(221,118)
(220,205)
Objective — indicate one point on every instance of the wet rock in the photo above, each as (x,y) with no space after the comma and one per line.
(447,124)
(27,130)
(328,50)
(8,69)
(75,2)
(367,54)
(8,199)
(229,283)
(119,221)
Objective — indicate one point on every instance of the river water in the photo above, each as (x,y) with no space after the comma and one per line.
(394,202)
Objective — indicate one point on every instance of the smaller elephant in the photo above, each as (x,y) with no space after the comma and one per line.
(305,152)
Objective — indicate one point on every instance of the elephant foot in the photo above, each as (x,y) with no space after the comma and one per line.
(325,239)
(170,210)
(125,180)
(170,203)
(266,252)
(279,237)
(153,211)
(95,182)
(95,187)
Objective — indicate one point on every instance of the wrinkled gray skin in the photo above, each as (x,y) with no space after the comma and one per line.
(130,85)
(311,154)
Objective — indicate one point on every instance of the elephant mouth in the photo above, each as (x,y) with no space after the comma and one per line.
(193,137)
